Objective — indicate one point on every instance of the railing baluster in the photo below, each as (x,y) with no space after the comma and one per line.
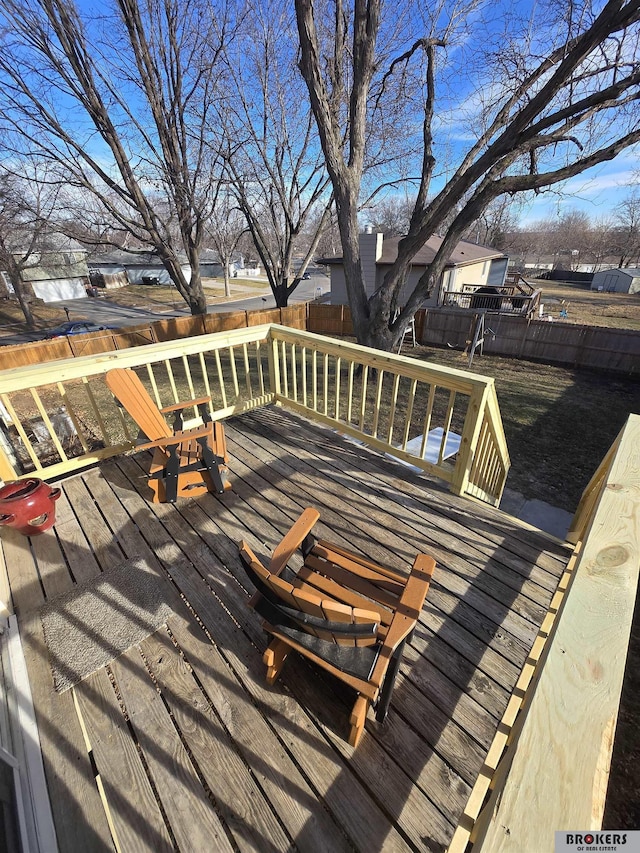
(427,419)
(294,372)
(304,376)
(446,426)
(74,418)
(20,429)
(223,390)
(205,379)
(187,373)
(285,370)
(392,408)
(96,411)
(350,392)
(154,385)
(363,396)
(481,448)
(325,383)
(314,379)
(247,370)
(376,410)
(234,372)
(409,414)
(338,371)
(260,370)
(47,422)
(172,381)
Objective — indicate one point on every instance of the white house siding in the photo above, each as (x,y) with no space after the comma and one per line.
(472,274)
(58,289)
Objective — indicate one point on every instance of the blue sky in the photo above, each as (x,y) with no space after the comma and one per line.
(596,192)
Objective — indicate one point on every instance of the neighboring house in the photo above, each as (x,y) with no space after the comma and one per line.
(623,280)
(147,268)
(469,267)
(58,272)
(566,262)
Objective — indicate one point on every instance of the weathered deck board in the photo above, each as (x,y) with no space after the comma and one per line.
(190,744)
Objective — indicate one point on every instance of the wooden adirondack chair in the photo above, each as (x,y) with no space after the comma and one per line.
(343,612)
(186,463)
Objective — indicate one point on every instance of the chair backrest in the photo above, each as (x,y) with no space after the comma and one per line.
(310,612)
(126,387)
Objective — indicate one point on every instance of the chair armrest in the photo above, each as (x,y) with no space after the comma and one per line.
(292,540)
(177,407)
(407,613)
(417,586)
(178,438)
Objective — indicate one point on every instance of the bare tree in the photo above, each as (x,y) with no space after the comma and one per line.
(275,165)
(119,104)
(496,223)
(227,227)
(390,216)
(628,229)
(26,209)
(543,116)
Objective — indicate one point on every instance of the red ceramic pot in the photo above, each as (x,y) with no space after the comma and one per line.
(28,505)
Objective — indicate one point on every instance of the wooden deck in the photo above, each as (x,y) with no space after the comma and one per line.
(179,743)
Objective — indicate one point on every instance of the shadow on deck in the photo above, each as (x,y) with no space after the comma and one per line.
(179,743)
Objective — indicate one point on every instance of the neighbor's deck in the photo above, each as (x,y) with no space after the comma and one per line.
(189,746)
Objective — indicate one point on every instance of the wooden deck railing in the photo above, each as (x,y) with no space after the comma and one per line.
(59,417)
(509,299)
(407,408)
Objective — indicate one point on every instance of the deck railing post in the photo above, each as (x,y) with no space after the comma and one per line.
(469,440)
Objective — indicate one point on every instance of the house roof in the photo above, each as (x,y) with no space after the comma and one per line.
(632,272)
(144,258)
(464,253)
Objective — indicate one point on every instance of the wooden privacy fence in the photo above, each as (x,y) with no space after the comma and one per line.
(60,416)
(512,336)
(169,329)
(539,340)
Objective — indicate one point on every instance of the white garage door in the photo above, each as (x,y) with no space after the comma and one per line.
(57,289)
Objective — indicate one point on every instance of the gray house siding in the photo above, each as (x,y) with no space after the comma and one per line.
(625,280)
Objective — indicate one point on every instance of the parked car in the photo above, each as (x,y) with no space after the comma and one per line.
(76,327)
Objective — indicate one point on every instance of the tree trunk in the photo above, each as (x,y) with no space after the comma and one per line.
(227,283)
(18,286)
(197,300)
(281,293)
(191,291)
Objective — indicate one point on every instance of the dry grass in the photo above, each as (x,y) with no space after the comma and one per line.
(12,318)
(589,307)
(559,422)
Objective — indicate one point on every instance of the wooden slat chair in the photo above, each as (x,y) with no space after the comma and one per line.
(345,613)
(185,463)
